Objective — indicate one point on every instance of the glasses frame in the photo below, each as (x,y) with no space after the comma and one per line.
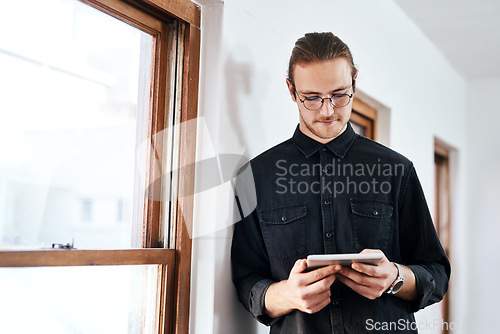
(326,98)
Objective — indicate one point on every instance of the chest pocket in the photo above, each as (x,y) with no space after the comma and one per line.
(371,224)
(284,230)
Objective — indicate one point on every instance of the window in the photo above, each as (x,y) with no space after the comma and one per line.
(93,98)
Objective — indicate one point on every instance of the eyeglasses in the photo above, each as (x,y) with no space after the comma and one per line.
(314,103)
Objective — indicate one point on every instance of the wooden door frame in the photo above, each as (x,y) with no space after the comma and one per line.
(366,116)
(443,209)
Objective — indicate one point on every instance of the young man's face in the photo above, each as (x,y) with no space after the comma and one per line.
(322,79)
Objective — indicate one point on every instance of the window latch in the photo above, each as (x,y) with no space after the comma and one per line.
(65,246)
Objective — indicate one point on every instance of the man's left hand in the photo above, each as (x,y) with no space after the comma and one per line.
(368,280)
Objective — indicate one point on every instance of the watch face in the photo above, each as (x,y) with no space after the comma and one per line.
(397,286)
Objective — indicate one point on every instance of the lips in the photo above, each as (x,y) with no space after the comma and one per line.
(328,121)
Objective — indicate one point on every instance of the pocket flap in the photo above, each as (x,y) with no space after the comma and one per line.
(372,209)
(283,215)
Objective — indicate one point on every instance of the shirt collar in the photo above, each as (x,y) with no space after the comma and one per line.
(339,146)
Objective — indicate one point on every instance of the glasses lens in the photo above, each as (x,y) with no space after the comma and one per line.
(340,100)
(313,103)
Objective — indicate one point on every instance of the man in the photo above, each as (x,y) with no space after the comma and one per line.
(328,190)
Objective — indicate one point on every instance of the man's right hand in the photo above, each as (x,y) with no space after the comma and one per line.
(308,292)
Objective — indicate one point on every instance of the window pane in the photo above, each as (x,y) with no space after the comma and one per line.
(110,299)
(74,85)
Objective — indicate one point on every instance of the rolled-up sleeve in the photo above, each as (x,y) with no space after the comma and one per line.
(257,301)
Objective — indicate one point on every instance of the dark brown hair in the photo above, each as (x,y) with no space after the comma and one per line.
(320,46)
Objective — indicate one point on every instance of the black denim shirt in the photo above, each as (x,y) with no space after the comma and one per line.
(341,197)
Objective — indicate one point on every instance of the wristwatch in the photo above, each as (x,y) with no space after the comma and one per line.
(398,283)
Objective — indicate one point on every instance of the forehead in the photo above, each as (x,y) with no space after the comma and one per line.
(322,76)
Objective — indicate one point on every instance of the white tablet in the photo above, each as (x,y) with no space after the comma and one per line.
(321,260)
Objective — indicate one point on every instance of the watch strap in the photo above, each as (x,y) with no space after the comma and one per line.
(398,282)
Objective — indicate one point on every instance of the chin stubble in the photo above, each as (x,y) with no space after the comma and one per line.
(316,133)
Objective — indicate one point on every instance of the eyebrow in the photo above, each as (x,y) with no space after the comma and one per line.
(318,93)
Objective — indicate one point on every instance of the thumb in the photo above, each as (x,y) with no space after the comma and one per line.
(299,266)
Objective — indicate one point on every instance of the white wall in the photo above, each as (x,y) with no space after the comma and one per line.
(483,164)
(246,108)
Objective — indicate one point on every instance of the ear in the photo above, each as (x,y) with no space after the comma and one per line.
(291,90)
(354,79)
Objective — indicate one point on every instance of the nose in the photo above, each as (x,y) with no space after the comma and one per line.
(327,108)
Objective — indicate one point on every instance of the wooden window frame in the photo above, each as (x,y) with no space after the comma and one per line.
(366,116)
(175,263)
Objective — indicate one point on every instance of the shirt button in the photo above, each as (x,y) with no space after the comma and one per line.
(283,219)
(328,234)
(327,202)
(324,149)
(334,302)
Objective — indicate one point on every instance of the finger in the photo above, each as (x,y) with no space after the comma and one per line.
(347,281)
(320,273)
(299,266)
(319,306)
(321,285)
(359,288)
(319,298)
(375,251)
(368,251)
(322,305)
(355,276)
(310,304)
(366,269)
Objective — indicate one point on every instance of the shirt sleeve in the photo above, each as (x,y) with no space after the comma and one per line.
(251,270)
(420,247)
(250,267)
